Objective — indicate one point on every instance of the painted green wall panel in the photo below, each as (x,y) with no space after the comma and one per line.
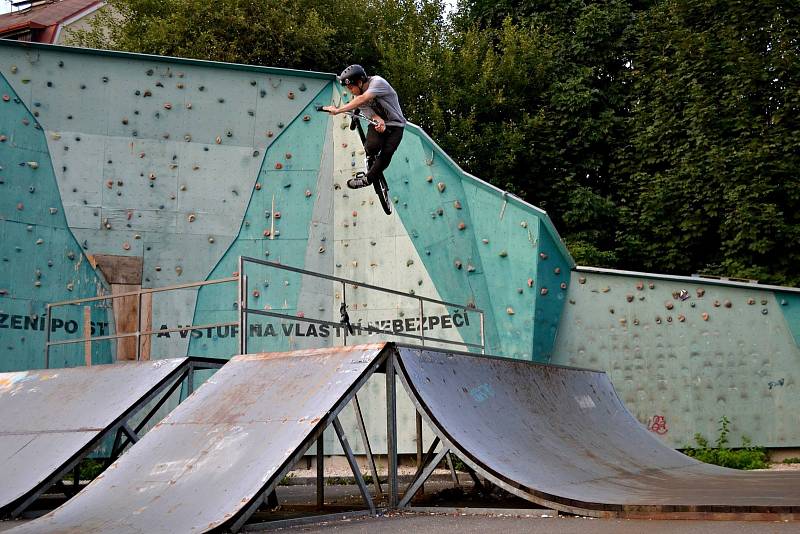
(725,350)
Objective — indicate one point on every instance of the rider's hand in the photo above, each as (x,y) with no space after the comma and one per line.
(381,126)
(333,110)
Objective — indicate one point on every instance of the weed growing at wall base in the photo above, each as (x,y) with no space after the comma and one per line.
(747,457)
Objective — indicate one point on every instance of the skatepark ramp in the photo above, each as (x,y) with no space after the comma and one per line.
(556,436)
(561,437)
(53,418)
(220,453)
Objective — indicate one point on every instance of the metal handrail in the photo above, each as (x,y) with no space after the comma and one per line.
(355,283)
(138,333)
(244,310)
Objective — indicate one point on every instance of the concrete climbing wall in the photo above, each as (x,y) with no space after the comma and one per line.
(683,352)
(41,260)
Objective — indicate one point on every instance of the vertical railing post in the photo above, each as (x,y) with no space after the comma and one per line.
(344,301)
(47,311)
(139,338)
(422,322)
(241,301)
(483,340)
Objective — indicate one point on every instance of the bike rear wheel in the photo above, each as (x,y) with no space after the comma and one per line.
(382,190)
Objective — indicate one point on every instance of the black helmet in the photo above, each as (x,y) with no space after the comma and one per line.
(352,74)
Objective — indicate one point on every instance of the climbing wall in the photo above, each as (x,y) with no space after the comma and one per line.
(41,260)
(683,352)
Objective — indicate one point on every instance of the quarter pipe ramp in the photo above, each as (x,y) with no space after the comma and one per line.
(562,437)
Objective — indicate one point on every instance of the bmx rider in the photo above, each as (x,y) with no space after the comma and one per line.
(376,100)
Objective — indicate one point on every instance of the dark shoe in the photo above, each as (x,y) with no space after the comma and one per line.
(359,181)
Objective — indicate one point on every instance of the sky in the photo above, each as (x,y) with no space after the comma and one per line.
(5,6)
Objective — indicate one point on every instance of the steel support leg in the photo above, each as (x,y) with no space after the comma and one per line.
(353,465)
(452,467)
(391,430)
(422,478)
(320,472)
(367,449)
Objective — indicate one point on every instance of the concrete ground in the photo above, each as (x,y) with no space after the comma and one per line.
(435,524)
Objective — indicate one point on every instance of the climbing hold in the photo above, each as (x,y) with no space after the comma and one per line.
(256,293)
(764,311)
(542,255)
(39,241)
(727,304)
(255,153)
(20,206)
(178,269)
(218,140)
(700,291)
(441,187)
(33,165)
(179,85)
(288,155)
(763,302)
(705,316)
(681,318)
(543,291)
(277,215)
(267,233)
(306,118)
(13,69)
(6,98)
(321,250)
(457,204)
(308,193)
(582,280)
(439,212)
(563,285)
(126,246)
(470,268)
(281,125)
(461,225)
(751,301)
(258,186)
(167,105)
(3,138)
(152,176)
(147,93)
(279,165)
(629,297)
(53,211)
(188,105)
(221,100)
(651,285)
(429,179)
(291,95)
(503,254)
(605,289)
(211,240)
(228,133)
(191,217)
(557,270)
(669,305)
(510,310)
(355,214)
(715,304)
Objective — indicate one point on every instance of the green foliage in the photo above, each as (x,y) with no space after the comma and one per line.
(660,135)
(747,457)
(89,468)
(792,460)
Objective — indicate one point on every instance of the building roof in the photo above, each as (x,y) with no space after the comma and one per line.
(46,17)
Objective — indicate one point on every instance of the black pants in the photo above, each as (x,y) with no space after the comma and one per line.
(380,147)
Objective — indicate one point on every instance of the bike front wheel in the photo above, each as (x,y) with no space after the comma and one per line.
(382,190)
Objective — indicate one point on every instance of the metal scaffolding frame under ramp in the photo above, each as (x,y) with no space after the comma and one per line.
(53,418)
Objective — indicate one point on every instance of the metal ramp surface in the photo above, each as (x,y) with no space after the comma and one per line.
(51,418)
(561,437)
(216,457)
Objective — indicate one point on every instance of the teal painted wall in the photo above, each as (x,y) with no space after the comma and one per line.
(41,260)
(726,350)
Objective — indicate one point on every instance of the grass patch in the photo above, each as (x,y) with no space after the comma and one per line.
(746,457)
(792,460)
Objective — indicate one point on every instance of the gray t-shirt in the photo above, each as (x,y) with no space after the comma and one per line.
(385,104)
